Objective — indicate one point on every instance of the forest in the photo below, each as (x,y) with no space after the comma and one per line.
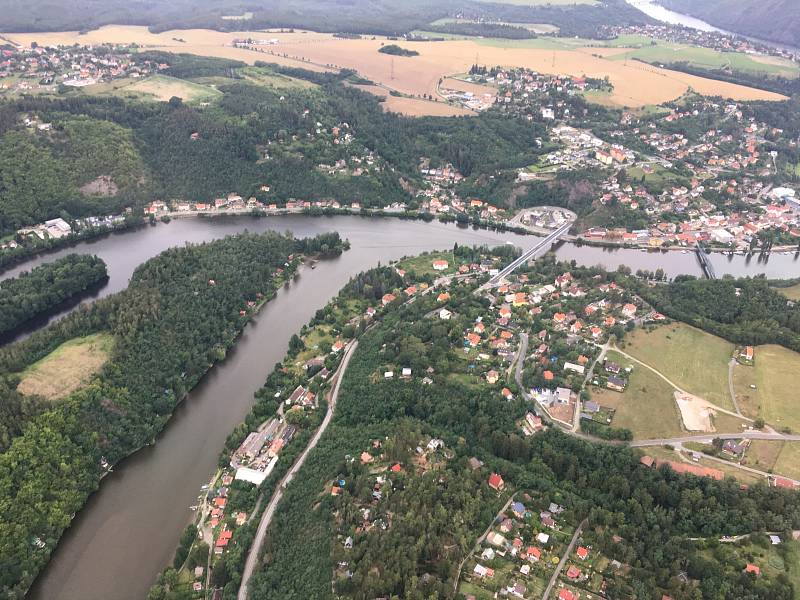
(649,513)
(378,17)
(252,136)
(180,314)
(47,286)
(744,311)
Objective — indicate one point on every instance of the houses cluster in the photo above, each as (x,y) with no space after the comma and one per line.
(256,457)
(43,68)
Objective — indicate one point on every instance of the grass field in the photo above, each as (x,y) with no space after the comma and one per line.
(646,407)
(423,264)
(705,58)
(792,293)
(266,77)
(776,375)
(155,87)
(66,368)
(692,359)
(635,84)
(781,458)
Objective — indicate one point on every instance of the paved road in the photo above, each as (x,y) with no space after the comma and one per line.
(563,560)
(748,435)
(266,518)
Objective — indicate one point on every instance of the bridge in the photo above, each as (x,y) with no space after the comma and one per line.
(705,262)
(533,252)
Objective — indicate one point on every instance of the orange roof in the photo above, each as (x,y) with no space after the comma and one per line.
(582,553)
(559,317)
(548,375)
(751,568)
(396,468)
(495,481)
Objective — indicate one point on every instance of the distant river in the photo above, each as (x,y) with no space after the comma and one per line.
(665,15)
(129,529)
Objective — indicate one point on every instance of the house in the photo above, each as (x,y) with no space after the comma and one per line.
(488,554)
(475,463)
(396,468)
(337,345)
(518,590)
(496,539)
(548,375)
(473,339)
(582,553)
(440,265)
(533,554)
(612,367)
(565,594)
(445,314)
(542,538)
(548,521)
(616,384)
(366,458)
(405,373)
(483,572)
(734,448)
(506,393)
(506,525)
(647,461)
(568,366)
(518,508)
(496,482)
(573,572)
(747,353)
(751,568)
(443,297)
(629,310)
(387,298)
(492,377)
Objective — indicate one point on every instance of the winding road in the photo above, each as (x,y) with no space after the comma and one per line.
(266,518)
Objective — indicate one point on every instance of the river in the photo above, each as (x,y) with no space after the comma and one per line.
(660,13)
(129,529)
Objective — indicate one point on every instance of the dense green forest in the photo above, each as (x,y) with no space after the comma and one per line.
(496,30)
(180,314)
(745,311)
(252,136)
(47,286)
(396,50)
(383,17)
(649,513)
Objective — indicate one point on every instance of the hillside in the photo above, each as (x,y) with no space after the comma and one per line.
(773,20)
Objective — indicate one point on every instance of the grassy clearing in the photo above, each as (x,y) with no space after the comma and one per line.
(788,462)
(66,368)
(776,377)
(646,407)
(690,358)
(157,88)
(793,292)
(423,264)
(704,58)
(268,78)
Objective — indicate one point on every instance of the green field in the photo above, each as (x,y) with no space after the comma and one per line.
(793,292)
(776,375)
(423,264)
(704,58)
(66,368)
(692,359)
(646,407)
(267,77)
(156,88)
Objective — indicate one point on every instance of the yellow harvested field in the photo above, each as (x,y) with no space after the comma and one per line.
(635,84)
(414,107)
(66,368)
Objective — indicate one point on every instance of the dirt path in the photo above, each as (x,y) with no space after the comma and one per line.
(731,366)
(266,518)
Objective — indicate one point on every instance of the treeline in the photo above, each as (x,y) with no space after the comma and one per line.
(744,311)
(47,286)
(764,81)
(180,314)
(493,30)
(188,66)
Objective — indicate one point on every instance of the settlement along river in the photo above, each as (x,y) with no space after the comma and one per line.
(129,528)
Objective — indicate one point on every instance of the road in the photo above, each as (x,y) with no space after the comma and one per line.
(563,560)
(744,435)
(266,518)
(529,254)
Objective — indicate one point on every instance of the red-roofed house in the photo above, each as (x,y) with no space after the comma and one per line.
(496,482)
(582,553)
(751,568)
(573,572)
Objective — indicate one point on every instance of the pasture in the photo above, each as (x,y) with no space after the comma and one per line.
(635,84)
(776,377)
(67,368)
(692,359)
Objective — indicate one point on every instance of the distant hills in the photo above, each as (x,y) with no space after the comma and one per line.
(772,20)
(369,17)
